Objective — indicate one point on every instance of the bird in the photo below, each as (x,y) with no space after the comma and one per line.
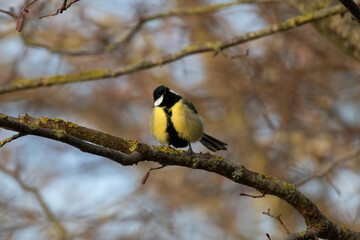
(176,122)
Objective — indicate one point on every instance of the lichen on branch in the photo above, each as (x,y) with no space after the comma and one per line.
(130,152)
(215,47)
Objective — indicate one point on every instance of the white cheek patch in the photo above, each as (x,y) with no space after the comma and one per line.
(159,101)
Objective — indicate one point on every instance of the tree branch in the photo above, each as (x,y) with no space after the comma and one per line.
(134,152)
(44,206)
(268,213)
(10,139)
(141,22)
(63,8)
(20,19)
(10,13)
(306,235)
(181,12)
(215,47)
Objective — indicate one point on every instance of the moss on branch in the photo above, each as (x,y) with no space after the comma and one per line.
(129,152)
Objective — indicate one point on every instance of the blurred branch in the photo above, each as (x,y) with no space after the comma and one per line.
(214,47)
(20,20)
(10,13)
(327,173)
(205,9)
(63,8)
(278,218)
(7,140)
(180,12)
(340,31)
(352,7)
(49,214)
(133,152)
(142,21)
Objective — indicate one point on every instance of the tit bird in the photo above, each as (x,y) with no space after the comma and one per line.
(176,122)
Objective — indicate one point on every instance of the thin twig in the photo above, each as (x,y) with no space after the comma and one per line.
(10,13)
(143,20)
(63,8)
(326,174)
(31,3)
(278,218)
(147,174)
(7,140)
(216,46)
(252,196)
(15,174)
(20,20)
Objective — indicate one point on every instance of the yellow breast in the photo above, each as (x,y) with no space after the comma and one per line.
(187,124)
(158,124)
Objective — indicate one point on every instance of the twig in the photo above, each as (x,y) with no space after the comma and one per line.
(326,174)
(205,9)
(20,20)
(140,152)
(278,218)
(268,236)
(7,140)
(63,8)
(216,46)
(252,196)
(10,13)
(147,174)
(49,214)
(143,20)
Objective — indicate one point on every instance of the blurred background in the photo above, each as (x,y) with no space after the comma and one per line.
(287,105)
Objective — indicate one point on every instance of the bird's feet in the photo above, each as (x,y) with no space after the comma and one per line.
(190,151)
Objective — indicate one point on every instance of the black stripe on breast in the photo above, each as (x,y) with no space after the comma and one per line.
(174,138)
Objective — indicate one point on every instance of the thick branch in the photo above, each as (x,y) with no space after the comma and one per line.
(215,47)
(24,125)
(138,152)
(307,235)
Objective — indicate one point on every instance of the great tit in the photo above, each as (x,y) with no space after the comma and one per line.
(176,122)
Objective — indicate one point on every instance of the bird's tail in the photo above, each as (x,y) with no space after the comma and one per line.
(212,143)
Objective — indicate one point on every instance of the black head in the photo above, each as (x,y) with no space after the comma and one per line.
(164,97)
(159,91)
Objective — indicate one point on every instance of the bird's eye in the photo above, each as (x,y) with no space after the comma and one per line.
(160,93)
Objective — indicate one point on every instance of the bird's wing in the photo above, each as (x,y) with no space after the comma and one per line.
(189,104)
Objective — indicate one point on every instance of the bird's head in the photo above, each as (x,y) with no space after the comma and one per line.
(163,96)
